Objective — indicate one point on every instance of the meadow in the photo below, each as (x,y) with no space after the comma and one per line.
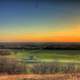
(21,64)
(47,54)
(48,61)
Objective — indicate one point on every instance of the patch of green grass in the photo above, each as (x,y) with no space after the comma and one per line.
(49,54)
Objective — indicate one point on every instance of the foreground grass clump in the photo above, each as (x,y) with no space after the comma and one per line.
(11,66)
(52,68)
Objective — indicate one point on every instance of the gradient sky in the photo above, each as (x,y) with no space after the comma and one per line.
(39,21)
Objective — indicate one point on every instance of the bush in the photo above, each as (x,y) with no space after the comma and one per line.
(11,66)
(4,52)
(43,68)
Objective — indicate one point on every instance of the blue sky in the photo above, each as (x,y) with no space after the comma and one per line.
(21,17)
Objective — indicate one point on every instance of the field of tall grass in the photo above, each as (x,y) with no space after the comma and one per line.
(30,64)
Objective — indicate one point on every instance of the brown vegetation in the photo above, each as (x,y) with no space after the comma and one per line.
(4,52)
(10,66)
(53,68)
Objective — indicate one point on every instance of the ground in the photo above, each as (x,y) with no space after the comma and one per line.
(41,77)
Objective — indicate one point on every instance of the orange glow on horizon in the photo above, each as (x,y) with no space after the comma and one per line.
(63,36)
(41,39)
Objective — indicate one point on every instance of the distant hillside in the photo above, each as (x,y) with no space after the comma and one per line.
(46,45)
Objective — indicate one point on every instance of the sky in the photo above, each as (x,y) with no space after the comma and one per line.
(39,21)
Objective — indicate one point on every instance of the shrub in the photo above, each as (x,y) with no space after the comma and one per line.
(4,52)
(11,66)
(43,68)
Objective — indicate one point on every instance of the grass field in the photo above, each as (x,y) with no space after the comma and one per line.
(45,61)
(48,54)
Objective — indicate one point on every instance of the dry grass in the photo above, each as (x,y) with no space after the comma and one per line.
(74,76)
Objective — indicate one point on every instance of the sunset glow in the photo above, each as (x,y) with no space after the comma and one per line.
(27,21)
